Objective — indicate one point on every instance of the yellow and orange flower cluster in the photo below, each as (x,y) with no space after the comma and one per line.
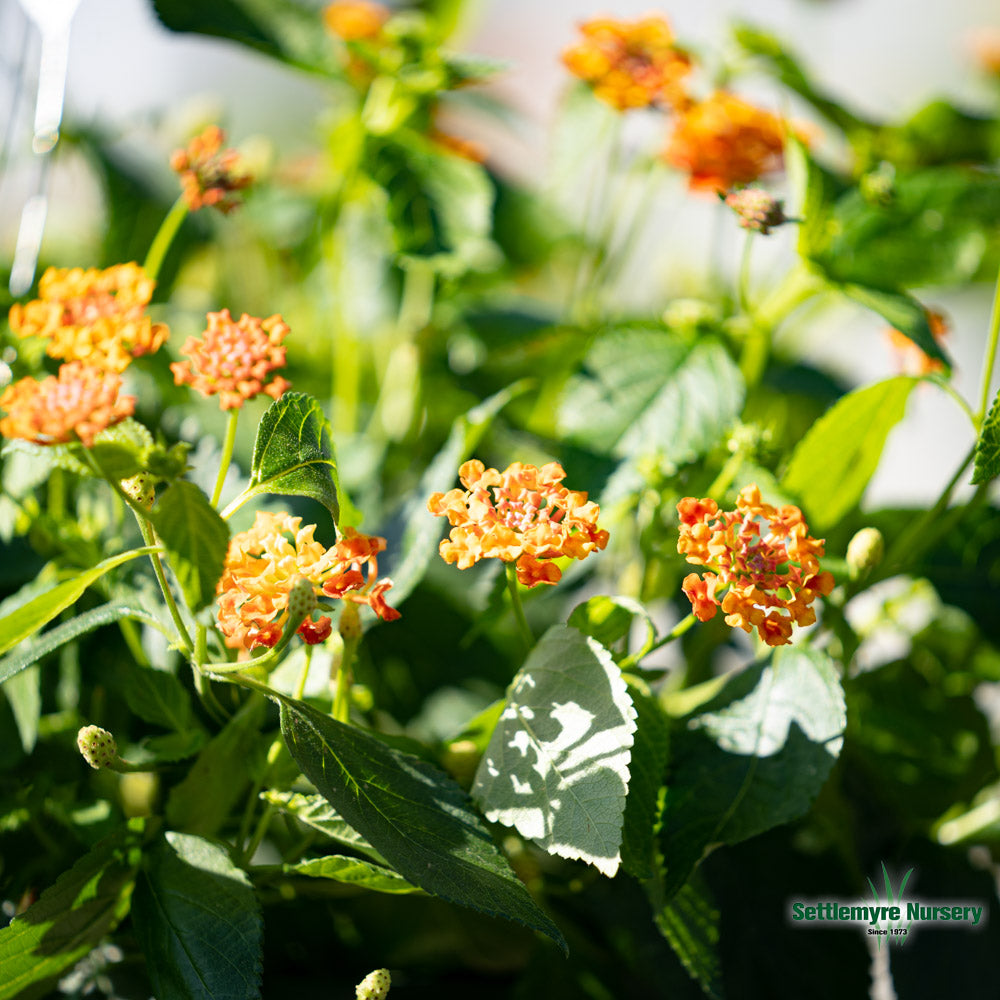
(724,141)
(355,20)
(523,515)
(264,563)
(211,176)
(630,65)
(235,360)
(96,316)
(910,359)
(763,566)
(77,404)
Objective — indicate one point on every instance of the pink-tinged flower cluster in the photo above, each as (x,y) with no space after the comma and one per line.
(211,177)
(235,360)
(265,563)
(763,566)
(77,404)
(523,515)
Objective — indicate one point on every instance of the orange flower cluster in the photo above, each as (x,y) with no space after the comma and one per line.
(235,360)
(910,359)
(522,515)
(354,20)
(724,141)
(77,404)
(763,564)
(92,315)
(630,65)
(266,562)
(210,175)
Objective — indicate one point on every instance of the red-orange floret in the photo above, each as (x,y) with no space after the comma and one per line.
(523,515)
(211,177)
(93,315)
(235,360)
(763,564)
(911,359)
(355,20)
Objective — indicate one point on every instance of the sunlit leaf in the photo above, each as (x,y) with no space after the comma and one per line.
(353,871)
(987,459)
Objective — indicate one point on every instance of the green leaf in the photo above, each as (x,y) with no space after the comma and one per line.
(418,819)
(29,618)
(353,871)
(71,917)
(119,450)
(315,811)
(557,766)
(166,749)
(196,539)
(25,697)
(293,453)
(48,642)
(690,922)
(832,464)
(754,757)
(987,460)
(903,312)
(422,531)
(644,391)
(218,779)
(197,920)
(157,696)
(609,620)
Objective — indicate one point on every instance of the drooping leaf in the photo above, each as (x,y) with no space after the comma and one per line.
(25,697)
(353,871)
(29,618)
(832,464)
(418,819)
(645,391)
(293,453)
(157,696)
(198,922)
(557,765)
(903,312)
(422,530)
(754,757)
(315,811)
(196,539)
(70,917)
(987,459)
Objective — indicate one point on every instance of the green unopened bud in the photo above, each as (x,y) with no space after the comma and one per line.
(141,488)
(375,986)
(864,552)
(97,746)
(301,599)
(349,626)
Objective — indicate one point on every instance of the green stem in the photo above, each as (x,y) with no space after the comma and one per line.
(675,633)
(416,303)
(300,688)
(227,454)
(258,835)
(518,608)
(345,677)
(164,237)
(743,282)
(727,473)
(161,578)
(945,386)
(131,637)
(991,355)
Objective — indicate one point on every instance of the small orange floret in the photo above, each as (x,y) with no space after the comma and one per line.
(724,141)
(630,65)
(264,563)
(210,175)
(910,359)
(523,515)
(235,360)
(96,316)
(763,566)
(77,404)
(354,20)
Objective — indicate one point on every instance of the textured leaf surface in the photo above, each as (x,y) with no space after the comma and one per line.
(196,539)
(753,757)
(70,917)
(29,618)
(198,922)
(557,766)
(987,461)
(832,464)
(315,811)
(353,871)
(157,696)
(417,818)
(645,391)
(294,454)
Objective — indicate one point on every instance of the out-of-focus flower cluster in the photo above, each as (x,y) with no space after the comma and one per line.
(235,359)
(211,176)
(265,563)
(522,515)
(762,564)
(96,316)
(78,403)
(720,141)
(911,359)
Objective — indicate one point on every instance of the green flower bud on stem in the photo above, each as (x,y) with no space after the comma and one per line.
(375,986)
(864,552)
(97,746)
